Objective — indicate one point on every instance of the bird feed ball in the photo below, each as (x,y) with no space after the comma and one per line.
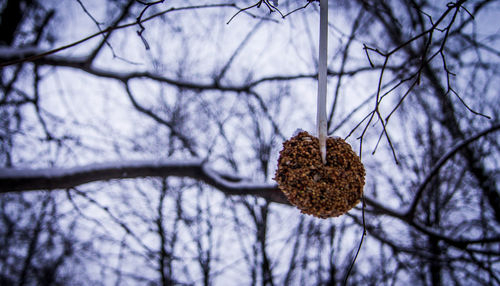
(315,188)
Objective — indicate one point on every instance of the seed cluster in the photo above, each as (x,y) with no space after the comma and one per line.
(320,190)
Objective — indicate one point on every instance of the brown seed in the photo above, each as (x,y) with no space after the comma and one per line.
(321,190)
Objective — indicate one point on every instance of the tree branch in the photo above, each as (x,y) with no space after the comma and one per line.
(20,179)
(40,55)
(440,163)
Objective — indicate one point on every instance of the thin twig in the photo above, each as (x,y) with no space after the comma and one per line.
(240,11)
(351,266)
(298,9)
(425,60)
(139,20)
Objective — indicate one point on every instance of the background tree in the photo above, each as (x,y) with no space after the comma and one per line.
(140,139)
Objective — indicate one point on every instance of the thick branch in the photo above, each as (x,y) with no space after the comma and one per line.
(17,179)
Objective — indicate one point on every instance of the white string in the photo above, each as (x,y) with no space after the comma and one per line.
(322,78)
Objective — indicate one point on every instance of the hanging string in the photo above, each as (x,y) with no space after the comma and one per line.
(322,78)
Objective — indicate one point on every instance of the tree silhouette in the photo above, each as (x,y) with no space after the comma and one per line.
(139,141)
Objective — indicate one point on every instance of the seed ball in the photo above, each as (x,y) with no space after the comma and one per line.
(315,188)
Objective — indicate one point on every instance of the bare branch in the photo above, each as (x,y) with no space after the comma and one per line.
(272,8)
(106,36)
(109,29)
(440,163)
(18,179)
